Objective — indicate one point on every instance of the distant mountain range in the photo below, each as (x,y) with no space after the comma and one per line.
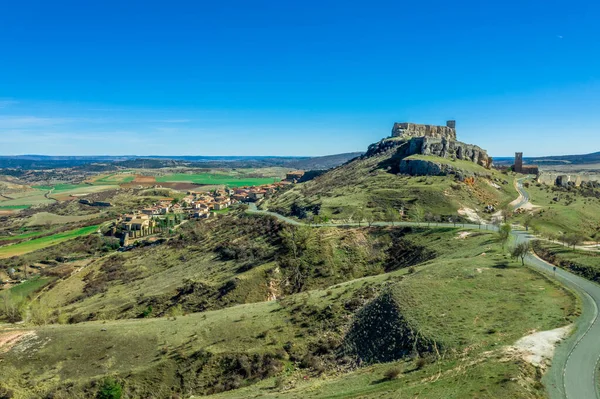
(157,161)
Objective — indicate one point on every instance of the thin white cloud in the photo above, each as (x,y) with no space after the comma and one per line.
(173,121)
(23,122)
(7,103)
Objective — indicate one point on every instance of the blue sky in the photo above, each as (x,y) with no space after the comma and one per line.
(295,78)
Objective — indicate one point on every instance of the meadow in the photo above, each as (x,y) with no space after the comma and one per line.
(571,212)
(13,207)
(23,236)
(583,263)
(29,287)
(44,242)
(59,188)
(216,179)
(113,179)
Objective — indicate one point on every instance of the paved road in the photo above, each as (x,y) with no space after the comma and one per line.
(573,374)
(524,195)
(574,370)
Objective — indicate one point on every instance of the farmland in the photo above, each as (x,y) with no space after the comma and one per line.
(13,207)
(44,242)
(112,179)
(28,287)
(58,188)
(216,179)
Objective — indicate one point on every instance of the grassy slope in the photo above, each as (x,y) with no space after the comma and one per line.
(44,242)
(463,301)
(366,183)
(580,216)
(563,256)
(46,218)
(27,198)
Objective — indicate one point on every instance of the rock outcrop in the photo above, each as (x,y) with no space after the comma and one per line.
(442,148)
(419,167)
(450,149)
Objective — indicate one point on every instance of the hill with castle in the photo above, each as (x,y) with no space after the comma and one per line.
(429,140)
(417,166)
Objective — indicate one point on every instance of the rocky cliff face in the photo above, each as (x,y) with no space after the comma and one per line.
(443,148)
(431,146)
(450,149)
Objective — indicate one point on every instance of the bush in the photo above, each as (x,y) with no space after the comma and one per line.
(5,393)
(110,389)
(392,373)
(11,308)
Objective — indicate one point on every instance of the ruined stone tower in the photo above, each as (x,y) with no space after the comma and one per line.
(518,168)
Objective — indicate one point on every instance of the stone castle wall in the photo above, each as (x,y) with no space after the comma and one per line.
(409,130)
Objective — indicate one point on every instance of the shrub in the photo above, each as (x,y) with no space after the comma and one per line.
(392,373)
(11,308)
(110,389)
(5,393)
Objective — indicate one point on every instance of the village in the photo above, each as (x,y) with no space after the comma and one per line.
(169,213)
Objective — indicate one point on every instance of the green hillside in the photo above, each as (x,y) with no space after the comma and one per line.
(370,185)
(456,309)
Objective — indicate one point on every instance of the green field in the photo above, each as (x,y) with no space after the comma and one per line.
(27,198)
(216,179)
(46,218)
(572,213)
(13,207)
(28,287)
(23,236)
(44,242)
(583,263)
(59,188)
(115,178)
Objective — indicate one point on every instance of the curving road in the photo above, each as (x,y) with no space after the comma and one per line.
(573,374)
(574,370)
(523,195)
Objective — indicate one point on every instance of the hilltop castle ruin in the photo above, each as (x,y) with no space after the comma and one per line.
(439,141)
(407,130)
